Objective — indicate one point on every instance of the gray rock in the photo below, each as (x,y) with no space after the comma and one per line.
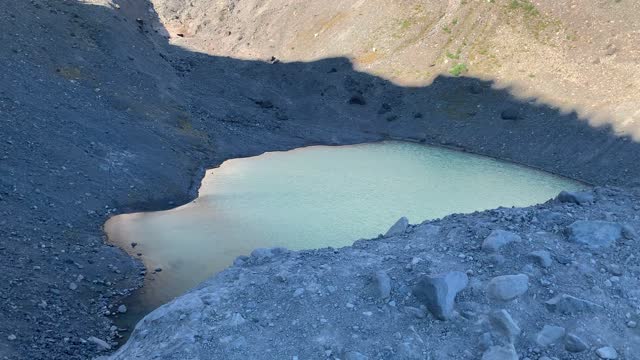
(438,292)
(500,353)
(508,287)
(416,312)
(607,352)
(542,257)
(510,114)
(354,355)
(73,286)
(398,228)
(629,232)
(567,304)
(579,197)
(504,325)
(549,335)
(498,239)
(485,341)
(103,345)
(573,343)
(382,282)
(594,234)
(122,309)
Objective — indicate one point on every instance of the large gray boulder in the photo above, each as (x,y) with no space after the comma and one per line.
(594,233)
(579,197)
(438,292)
(508,287)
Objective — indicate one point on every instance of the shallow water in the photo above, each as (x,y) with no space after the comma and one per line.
(314,197)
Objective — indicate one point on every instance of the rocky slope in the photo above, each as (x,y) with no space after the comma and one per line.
(101,115)
(555,281)
(560,52)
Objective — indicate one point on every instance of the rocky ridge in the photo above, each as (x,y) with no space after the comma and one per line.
(427,291)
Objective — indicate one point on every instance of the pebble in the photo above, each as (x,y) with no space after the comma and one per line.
(607,352)
(122,309)
(508,287)
(73,286)
(11,337)
(438,292)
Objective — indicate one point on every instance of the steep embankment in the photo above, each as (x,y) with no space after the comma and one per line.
(100,115)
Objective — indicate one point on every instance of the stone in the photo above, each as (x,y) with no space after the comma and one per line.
(500,353)
(122,309)
(579,197)
(103,345)
(508,287)
(438,292)
(549,335)
(73,286)
(504,325)
(416,312)
(510,114)
(11,337)
(497,239)
(607,352)
(382,282)
(573,343)
(354,355)
(594,234)
(629,232)
(567,304)
(398,228)
(542,258)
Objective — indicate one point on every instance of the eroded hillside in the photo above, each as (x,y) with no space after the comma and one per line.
(574,55)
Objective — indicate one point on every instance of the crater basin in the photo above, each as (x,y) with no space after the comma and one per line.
(314,197)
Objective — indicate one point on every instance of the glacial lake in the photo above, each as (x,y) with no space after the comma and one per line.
(314,197)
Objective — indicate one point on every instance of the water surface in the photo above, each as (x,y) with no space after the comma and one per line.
(315,197)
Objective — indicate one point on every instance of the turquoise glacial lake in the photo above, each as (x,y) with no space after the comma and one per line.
(314,197)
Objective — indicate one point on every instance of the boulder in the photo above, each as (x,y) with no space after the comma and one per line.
(579,197)
(382,282)
(398,228)
(607,352)
(549,335)
(503,324)
(542,257)
(573,343)
(594,233)
(497,239)
(438,292)
(508,287)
